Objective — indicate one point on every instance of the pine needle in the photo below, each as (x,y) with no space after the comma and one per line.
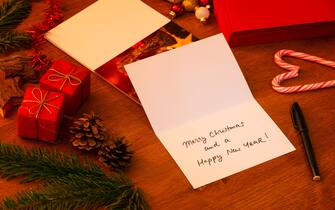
(80,193)
(69,184)
(11,40)
(40,164)
(13,12)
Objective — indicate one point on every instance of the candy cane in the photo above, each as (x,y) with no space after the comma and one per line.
(294,72)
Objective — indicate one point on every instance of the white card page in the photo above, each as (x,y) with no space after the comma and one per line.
(104,30)
(203,112)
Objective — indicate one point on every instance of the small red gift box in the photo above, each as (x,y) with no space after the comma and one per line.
(40,114)
(69,79)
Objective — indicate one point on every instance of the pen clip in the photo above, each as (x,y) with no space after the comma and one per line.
(294,122)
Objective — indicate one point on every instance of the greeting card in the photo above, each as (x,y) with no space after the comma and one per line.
(203,111)
(105,29)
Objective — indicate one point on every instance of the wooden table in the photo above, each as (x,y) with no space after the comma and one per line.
(284,182)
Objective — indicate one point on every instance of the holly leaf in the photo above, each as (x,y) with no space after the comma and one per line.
(9,91)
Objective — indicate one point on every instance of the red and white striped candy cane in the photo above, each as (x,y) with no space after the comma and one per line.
(294,72)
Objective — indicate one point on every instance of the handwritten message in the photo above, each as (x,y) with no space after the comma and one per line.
(223,145)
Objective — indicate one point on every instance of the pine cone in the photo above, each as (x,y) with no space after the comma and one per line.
(88,132)
(116,155)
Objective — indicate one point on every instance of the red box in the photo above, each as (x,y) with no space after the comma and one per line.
(40,114)
(261,21)
(69,79)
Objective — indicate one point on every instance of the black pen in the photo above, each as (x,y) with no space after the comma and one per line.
(300,124)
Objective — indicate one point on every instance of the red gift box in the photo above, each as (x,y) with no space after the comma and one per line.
(69,79)
(40,114)
(260,21)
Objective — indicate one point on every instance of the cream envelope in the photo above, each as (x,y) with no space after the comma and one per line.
(202,110)
(105,29)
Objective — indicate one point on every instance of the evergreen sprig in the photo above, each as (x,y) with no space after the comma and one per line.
(79,192)
(40,164)
(69,184)
(13,12)
(12,40)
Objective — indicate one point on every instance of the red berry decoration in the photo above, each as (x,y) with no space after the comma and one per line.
(176,10)
(204,3)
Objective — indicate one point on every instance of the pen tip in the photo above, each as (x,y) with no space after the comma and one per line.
(295,104)
(316,178)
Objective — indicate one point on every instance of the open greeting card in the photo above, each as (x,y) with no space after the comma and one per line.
(203,112)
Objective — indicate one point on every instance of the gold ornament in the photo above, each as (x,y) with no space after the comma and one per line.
(190,5)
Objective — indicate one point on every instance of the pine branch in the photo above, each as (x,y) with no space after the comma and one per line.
(68,183)
(13,12)
(39,164)
(81,193)
(11,41)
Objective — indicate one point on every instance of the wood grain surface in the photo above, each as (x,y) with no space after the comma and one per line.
(282,183)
